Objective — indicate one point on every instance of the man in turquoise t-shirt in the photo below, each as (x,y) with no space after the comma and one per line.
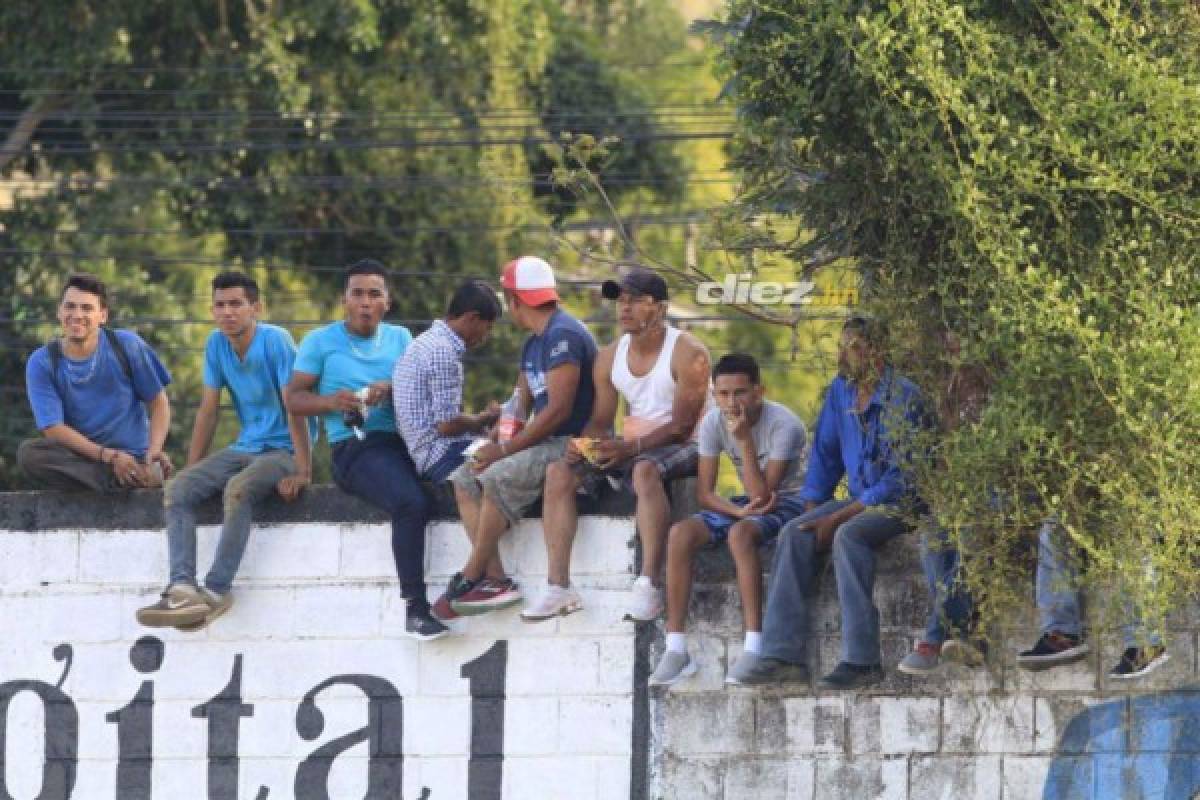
(335,364)
(253,360)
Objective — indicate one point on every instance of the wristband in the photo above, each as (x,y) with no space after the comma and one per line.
(101,457)
(639,446)
(503,449)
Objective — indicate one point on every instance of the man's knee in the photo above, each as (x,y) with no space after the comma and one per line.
(743,536)
(34,455)
(686,537)
(646,478)
(560,480)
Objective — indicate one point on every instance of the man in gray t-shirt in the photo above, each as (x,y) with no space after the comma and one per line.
(766,443)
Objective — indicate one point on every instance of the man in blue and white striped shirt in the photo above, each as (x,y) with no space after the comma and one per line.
(427,383)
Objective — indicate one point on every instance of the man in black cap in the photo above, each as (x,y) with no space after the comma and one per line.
(663,374)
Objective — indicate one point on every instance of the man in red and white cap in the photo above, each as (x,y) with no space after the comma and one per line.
(505,478)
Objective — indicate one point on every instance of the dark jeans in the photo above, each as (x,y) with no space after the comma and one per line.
(379,470)
(446,465)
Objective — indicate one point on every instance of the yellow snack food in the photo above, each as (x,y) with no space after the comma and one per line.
(587,447)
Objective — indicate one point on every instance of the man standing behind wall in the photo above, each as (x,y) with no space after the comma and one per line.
(504,478)
(663,375)
(253,360)
(90,393)
(335,364)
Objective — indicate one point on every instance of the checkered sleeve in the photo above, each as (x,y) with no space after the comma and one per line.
(445,384)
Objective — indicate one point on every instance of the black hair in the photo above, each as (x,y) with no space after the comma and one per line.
(737,364)
(873,332)
(86,282)
(366,266)
(474,296)
(237,280)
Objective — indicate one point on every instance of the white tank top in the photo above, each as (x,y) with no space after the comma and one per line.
(650,398)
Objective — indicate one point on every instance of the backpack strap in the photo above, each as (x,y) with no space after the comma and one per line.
(119,349)
(55,351)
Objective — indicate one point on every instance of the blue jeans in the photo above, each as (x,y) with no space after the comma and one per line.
(785,623)
(244,479)
(1058,599)
(949,601)
(379,470)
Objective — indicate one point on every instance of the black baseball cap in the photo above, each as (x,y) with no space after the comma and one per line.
(636,281)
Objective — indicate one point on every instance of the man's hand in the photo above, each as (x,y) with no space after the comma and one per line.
(379,392)
(163,461)
(613,452)
(487,418)
(343,400)
(759,506)
(738,423)
(126,469)
(292,486)
(486,456)
(823,529)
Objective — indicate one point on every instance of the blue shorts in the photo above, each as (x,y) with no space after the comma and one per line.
(787,508)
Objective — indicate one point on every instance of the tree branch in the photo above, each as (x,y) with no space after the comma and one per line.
(27,125)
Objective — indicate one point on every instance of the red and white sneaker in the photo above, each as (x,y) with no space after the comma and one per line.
(488,594)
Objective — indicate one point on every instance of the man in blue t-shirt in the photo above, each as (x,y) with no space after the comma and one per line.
(343,374)
(98,397)
(505,477)
(253,360)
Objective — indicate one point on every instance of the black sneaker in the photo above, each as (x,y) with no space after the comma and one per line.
(1137,662)
(852,676)
(1053,650)
(420,624)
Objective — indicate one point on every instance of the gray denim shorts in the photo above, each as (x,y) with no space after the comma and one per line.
(513,483)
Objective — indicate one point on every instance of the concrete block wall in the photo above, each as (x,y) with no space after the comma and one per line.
(306,690)
(997,733)
(503,709)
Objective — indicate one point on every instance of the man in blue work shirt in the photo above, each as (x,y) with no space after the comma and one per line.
(99,398)
(863,434)
(253,360)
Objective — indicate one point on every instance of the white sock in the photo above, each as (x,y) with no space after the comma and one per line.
(677,642)
(753,642)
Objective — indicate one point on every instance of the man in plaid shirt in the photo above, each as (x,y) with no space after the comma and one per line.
(427,383)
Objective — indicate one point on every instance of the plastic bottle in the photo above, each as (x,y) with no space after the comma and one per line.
(512,418)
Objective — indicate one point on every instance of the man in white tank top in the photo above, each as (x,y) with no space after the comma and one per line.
(663,374)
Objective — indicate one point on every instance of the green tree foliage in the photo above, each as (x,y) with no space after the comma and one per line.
(1018,186)
(156,145)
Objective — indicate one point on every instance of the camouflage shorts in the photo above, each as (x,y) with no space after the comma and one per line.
(513,483)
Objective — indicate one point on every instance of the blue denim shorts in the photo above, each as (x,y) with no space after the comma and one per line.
(787,508)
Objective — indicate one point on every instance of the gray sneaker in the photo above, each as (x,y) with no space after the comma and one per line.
(672,668)
(752,669)
(923,660)
(180,604)
(217,604)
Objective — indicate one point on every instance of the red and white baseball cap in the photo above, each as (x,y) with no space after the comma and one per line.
(531,279)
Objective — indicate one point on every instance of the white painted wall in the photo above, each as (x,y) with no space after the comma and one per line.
(314,601)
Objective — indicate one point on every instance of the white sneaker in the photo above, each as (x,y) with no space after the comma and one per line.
(556,601)
(646,601)
(672,668)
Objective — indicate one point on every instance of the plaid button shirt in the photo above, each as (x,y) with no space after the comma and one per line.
(427,388)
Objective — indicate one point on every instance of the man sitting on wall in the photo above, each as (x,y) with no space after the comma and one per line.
(662,373)
(862,434)
(427,384)
(504,478)
(765,441)
(343,374)
(98,397)
(253,360)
